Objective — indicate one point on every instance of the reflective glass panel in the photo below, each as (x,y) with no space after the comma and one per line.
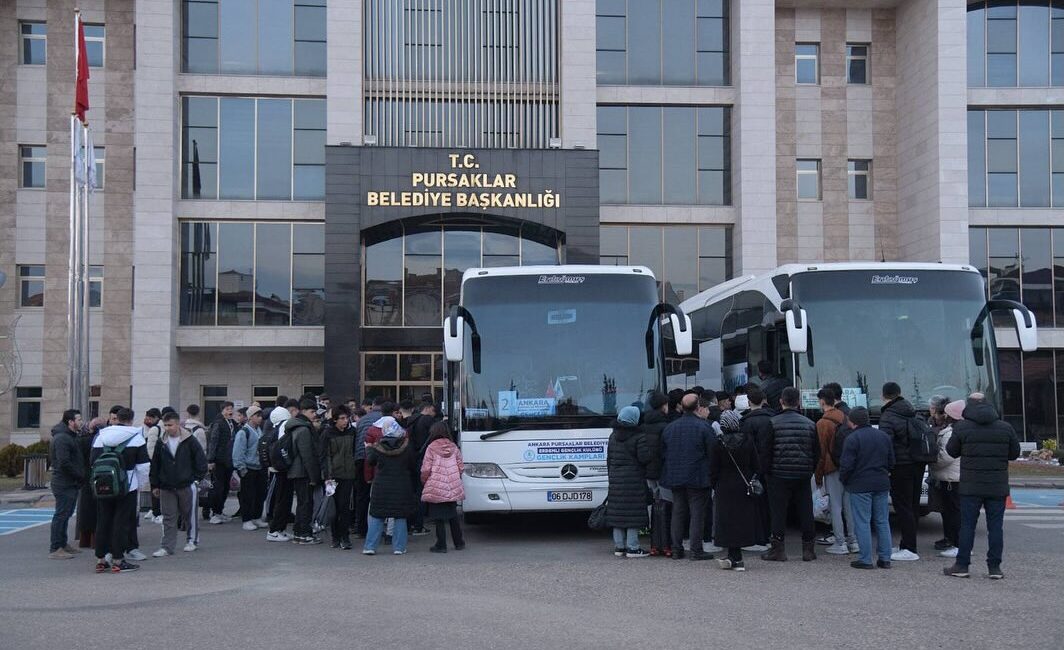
(273,287)
(236,291)
(274,154)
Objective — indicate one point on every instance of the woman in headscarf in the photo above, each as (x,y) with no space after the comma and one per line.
(392,492)
(627,457)
(733,466)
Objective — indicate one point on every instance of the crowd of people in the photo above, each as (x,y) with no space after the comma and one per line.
(713,472)
(377,471)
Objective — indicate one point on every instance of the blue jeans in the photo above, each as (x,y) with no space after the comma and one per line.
(995,518)
(376,529)
(869,507)
(65,500)
(620,541)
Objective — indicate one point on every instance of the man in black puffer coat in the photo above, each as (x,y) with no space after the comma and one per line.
(626,462)
(654,422)
(906,477)
(756,424)
(985,444)
(789,462)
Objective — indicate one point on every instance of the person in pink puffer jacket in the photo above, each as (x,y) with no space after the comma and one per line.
(441,476)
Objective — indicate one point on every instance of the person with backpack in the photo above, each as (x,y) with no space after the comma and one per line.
(119,467)
(441,476)
(392,492)
(789,460)
(985,444)
(897,420)
(946,477)
(864,468)
(832,429)
(252,475)
(734,477)
(627,457)
(305,470)
(220,461)
(177,464)
(339,465)
(279,457)
(68,473)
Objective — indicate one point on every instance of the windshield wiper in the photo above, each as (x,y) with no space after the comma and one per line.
(516,427)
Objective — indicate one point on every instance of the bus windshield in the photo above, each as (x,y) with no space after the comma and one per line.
(565,350)
(911,327)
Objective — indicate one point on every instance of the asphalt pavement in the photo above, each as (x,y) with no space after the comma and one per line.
(531,582)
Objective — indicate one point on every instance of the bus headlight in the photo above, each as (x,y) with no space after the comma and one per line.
(484,470)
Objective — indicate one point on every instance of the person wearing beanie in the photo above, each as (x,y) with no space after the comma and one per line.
(733,467)
(864,468)
(627,457)
(655,419)
(742,403)
(248,466)
(279,491)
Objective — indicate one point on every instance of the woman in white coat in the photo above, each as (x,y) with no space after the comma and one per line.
(946,473)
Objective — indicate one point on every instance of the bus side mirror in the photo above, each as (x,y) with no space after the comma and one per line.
(681,333)
(1026,330)
(797,331)
(453,338)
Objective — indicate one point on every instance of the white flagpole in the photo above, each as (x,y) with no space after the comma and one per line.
(89,158)
(73,363)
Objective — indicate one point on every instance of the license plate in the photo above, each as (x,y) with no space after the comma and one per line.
(556,496)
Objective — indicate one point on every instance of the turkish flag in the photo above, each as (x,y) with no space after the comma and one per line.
(81,87)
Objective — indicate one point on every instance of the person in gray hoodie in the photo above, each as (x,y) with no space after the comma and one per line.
(68,473)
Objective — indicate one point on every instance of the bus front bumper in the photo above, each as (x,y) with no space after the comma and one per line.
(502,496)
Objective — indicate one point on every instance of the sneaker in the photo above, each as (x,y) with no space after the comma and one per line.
(368,551)
(738,566)
(216,519)
(190,547)
(148,516)
(136,555)
(994,573)
(398,552)
(345,545)
(618,552)
(949,552)
(654,552)
(249,525)
(225,518)
(826,540)
(710,547)
(419,532)
(678,554)
(724,563)
(161,553)
(157,520)
(756,548)
(943,544)
(857,564)
(261,523)
(71,549)
(60,554)
(904,555)
(956,571)
(278,536)
(687,545)
(882,564)
(636,553)
(124,567)
(335,544)
(443,549)
(102,566)
(853,547)
(837,549)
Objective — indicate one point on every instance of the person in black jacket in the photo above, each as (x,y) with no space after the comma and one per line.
(907,475)
(339,466)
(177,464)
(985,444)
(654,422)
(220,461)
(627,457)
(68,473)
(685,447)
(305,472)
(417,426)
(756,423)
(392,491)
(733,464)
(772,385)
(789,458)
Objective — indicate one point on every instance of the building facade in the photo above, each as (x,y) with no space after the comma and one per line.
(293,188)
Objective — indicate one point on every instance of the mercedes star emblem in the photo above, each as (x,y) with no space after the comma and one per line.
(569,472)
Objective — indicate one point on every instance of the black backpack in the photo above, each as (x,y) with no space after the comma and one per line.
(282,453)
(108,477)
(842,430)
(923,442)
(265,444)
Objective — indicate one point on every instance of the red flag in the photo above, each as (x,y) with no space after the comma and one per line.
(81,87)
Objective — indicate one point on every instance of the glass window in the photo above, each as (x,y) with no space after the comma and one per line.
(461,252)
(807,63)
(31,285)
(34,166)
(236,148)
(977,250)
(808,179)
(1001,159)
(199,147)
(976,48)
(276,29)
(856,63)
(199,51)
(1015,43)
(859,173)
(384,283)
(95,39)
(308,158)
(714,256)
(34,49)
(644,141)
(266,396)
(679,156)
(1003,279)
(1057,45)
(237,32)
(310,39)
(236,273)
(1036,281)
(214,397)
(1039,396)
(100,160)
(613,245)
(199,281)
(28,407)
(678,41)
(95,286)
(1011,369)
(308,274)
(1058,280)
(976,158)
(423,279)
(644,38)
(645,249)
(273,287)
(273,157)
(1033,41)
(1034,144)
(681,263)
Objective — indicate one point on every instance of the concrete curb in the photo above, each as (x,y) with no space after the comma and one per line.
(1034,483)
(24,498)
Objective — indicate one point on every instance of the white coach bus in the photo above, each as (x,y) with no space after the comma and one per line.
(540,359)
